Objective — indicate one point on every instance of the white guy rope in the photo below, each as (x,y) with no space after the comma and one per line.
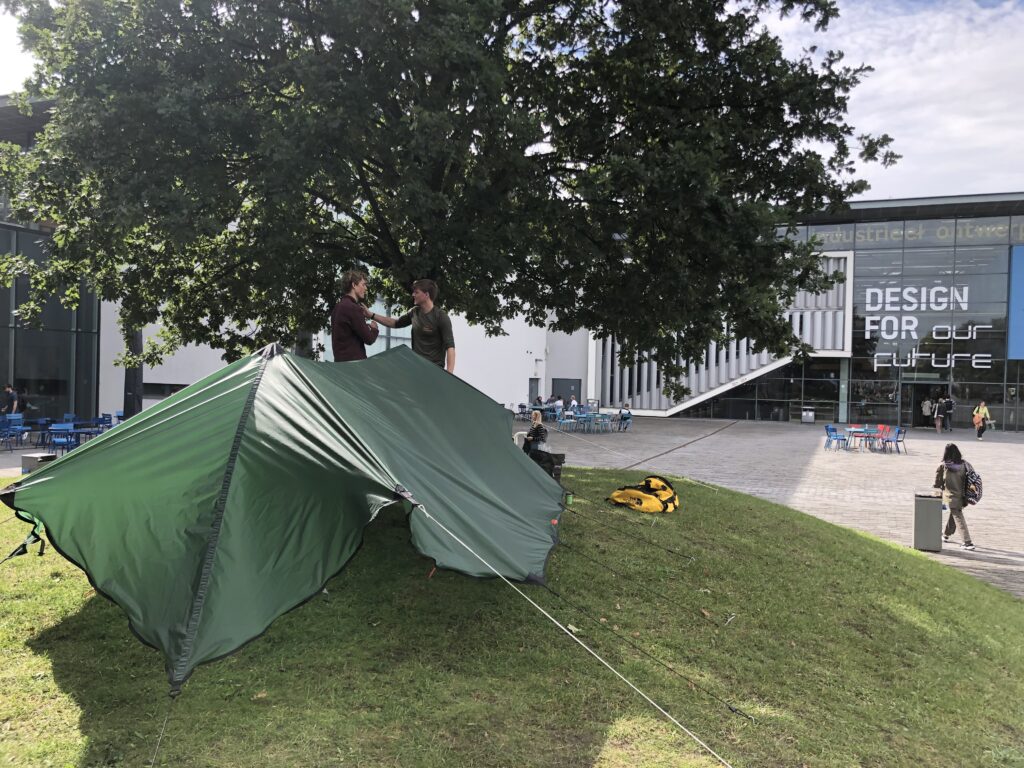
(585,647)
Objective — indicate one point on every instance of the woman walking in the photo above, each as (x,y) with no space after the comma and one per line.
(981,418)
(951,477)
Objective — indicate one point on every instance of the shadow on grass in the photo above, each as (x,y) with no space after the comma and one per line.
(389,668)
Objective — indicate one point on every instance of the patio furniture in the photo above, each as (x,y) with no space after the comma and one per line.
(895,440)
(64,437)
(567,423)
(833,439)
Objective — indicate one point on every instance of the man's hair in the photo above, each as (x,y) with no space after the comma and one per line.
(429,287)
(350,278)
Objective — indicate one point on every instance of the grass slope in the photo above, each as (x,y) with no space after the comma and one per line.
(848,652)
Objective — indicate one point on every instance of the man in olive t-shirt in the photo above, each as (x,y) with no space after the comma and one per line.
(431,327)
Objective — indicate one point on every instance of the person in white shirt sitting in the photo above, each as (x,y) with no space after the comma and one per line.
(625,417)
(573,404)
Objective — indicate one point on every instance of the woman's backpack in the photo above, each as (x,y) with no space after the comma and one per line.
(654,494)
(972,486)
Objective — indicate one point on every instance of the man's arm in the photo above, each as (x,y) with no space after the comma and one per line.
(390,322)
(449,342)
(368,333)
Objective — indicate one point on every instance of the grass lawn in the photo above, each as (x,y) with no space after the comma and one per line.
(847,651)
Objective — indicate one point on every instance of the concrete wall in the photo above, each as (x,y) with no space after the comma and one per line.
(501,366)
(186,366)
(567,359)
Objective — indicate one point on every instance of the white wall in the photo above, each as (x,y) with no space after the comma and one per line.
(501,366)
(186,366)
(567,359)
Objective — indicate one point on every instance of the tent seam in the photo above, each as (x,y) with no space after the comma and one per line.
(178,675)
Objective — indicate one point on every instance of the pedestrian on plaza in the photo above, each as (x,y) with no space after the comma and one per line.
(981,418)
(951,478)
(10,399)
(350,333)
(432,336)
(926,410)
(939,410)
(947,413)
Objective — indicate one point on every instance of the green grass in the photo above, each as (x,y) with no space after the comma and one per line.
(848,651)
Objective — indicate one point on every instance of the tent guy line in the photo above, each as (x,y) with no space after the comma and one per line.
(680,447)
(640,584)
(583,645)
(648,654)
(163,728)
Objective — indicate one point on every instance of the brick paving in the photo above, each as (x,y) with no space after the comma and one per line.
(872,492)
(785,463)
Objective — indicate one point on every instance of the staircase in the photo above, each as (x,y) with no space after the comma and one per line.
(823,320)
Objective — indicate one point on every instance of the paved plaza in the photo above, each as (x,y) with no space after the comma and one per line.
(873,492)
(785,463)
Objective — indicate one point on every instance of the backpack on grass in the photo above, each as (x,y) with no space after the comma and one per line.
(972,489)
(654,494)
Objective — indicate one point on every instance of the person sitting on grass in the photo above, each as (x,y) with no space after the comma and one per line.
(625,417)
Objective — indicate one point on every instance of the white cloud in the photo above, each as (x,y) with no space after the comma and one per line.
(15,64)
(945,86)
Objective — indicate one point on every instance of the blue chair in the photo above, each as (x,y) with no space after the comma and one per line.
(895,440)
(16,427)
(7,436)
(585,422)
(63,436)
(834,438)
(106,421)
(567,423)
(119,415)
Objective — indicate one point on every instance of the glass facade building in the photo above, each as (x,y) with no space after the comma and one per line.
(935,312)
(55,365)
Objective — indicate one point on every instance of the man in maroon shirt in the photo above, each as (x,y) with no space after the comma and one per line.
(350,333)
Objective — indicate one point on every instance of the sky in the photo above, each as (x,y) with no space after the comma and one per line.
(945,86)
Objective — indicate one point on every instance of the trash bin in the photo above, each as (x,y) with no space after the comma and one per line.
(32,461)
(807,416)
(928,521)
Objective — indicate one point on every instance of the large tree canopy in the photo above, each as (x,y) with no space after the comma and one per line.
(617,165)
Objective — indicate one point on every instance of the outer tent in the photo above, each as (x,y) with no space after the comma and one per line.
(211,514)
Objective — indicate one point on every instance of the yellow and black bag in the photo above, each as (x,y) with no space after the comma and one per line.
(654,494)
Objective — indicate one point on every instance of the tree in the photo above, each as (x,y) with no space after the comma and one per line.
(618,166)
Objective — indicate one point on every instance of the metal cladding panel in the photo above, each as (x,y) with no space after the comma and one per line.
(1015,318)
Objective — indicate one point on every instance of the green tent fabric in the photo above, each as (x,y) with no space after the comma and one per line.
(211,514)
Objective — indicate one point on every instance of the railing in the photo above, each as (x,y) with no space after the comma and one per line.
(820,320)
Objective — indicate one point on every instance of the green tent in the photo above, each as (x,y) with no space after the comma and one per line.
(211,514)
